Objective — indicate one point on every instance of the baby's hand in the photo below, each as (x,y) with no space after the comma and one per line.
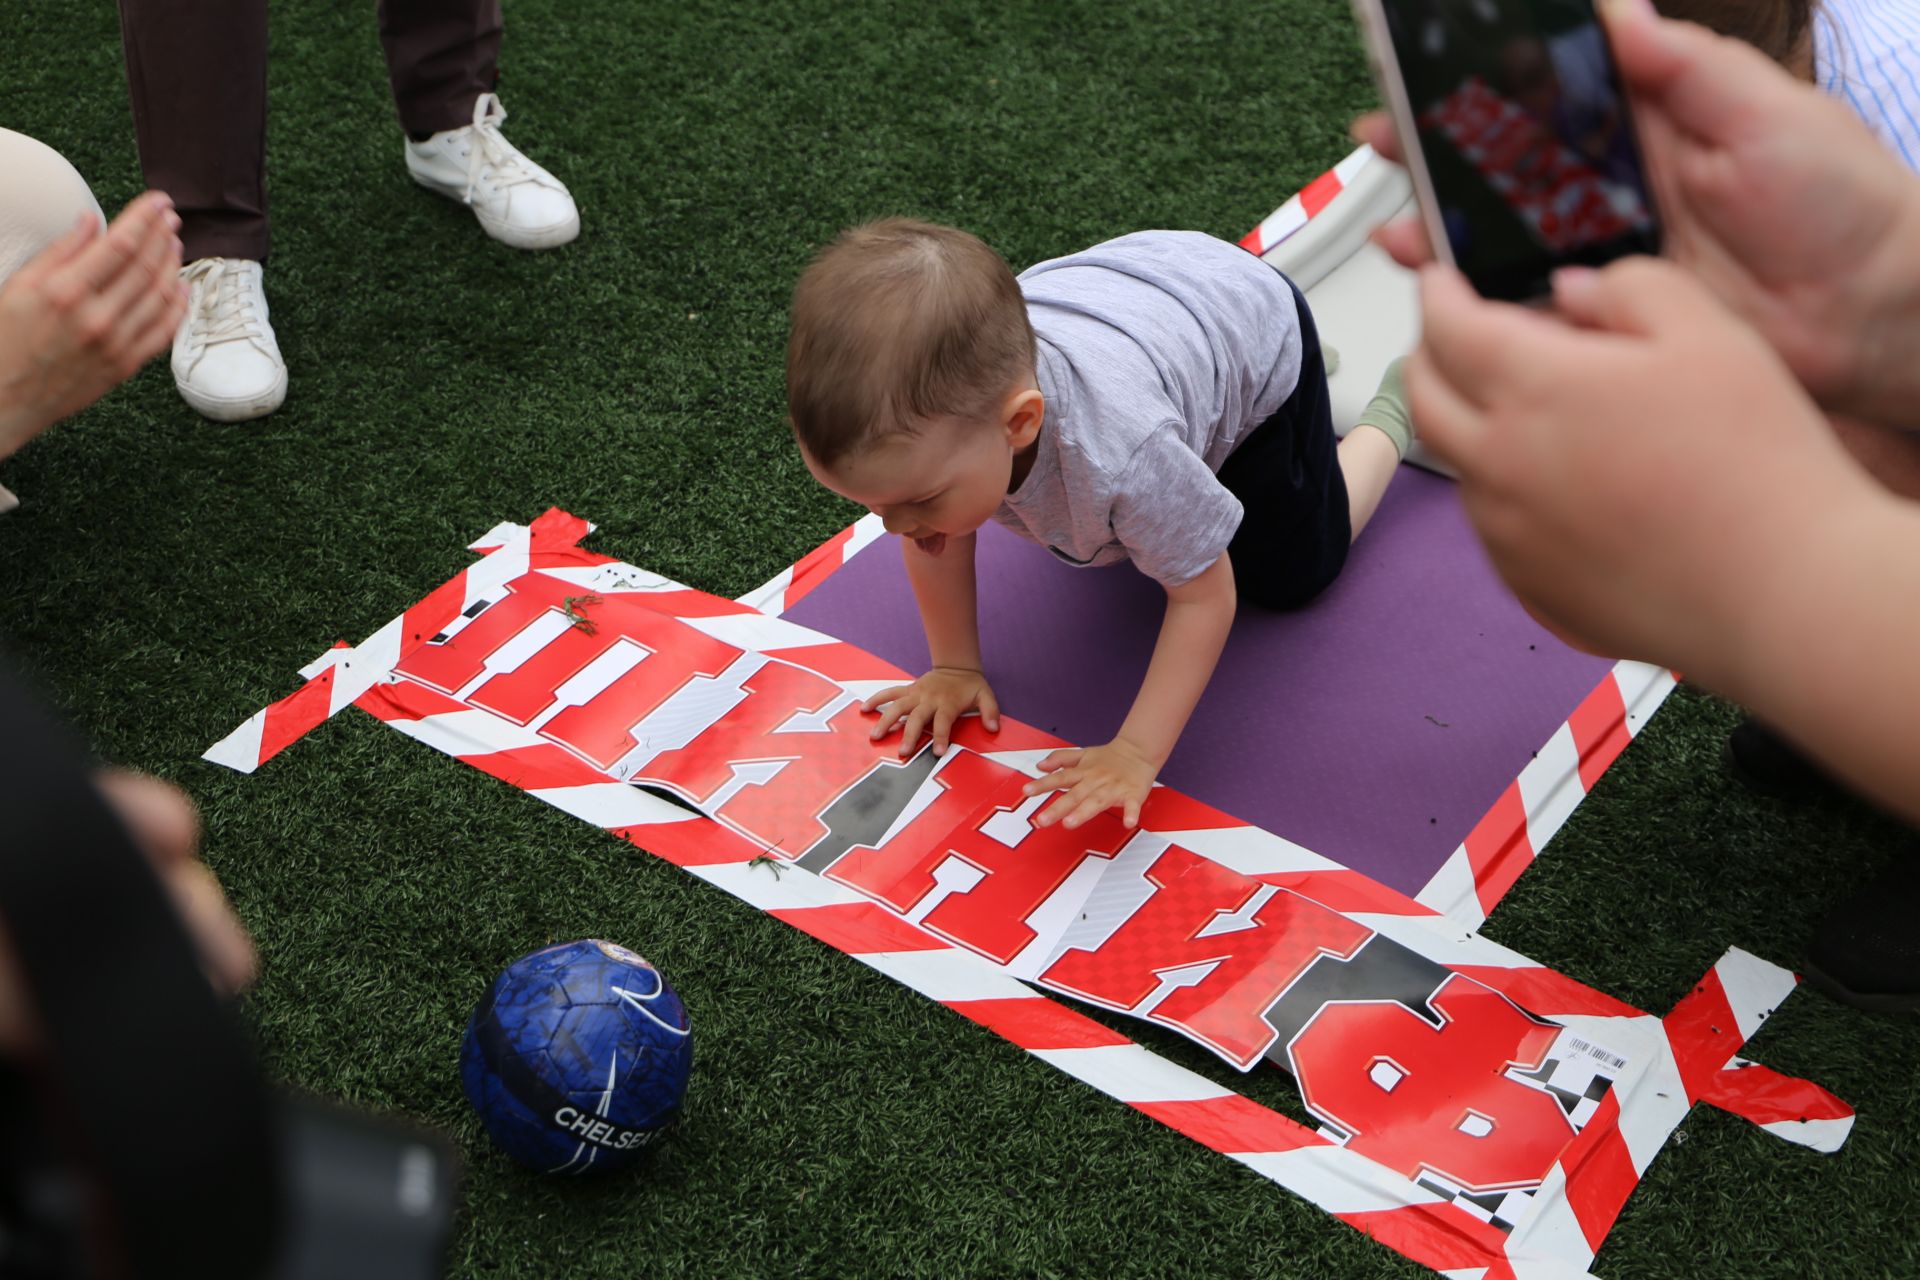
(1095,779)
(933,702)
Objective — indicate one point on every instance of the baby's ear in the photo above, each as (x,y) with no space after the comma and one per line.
(1022,414)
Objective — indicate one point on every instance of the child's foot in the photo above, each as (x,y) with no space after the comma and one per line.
(226,362)
(517,202)
(1387,411)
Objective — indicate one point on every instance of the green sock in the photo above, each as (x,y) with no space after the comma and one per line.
(1388,409)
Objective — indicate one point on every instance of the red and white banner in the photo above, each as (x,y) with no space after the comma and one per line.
(1479,1113)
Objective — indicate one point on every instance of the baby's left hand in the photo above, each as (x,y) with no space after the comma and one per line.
(1094,779)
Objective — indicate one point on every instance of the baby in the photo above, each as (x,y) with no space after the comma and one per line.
(1159,398)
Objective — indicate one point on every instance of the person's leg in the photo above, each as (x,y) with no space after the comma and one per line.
(441,56)
(1371,453)
(1295,529)
(197,79)
(1368,461)
(442,60)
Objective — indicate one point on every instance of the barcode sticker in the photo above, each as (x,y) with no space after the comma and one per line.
(1597,1053)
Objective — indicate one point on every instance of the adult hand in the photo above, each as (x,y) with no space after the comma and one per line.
(1646,482)
(1093,780)
(1779,198)
(163,825)
(80,317)
(934,703)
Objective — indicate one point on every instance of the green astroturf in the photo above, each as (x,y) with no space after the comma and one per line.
(167,576)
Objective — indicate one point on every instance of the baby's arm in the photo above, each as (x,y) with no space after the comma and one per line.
(1121,773)
(943,584)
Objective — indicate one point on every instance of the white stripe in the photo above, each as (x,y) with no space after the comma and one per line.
(1535,1267)
(1643,687)
(770,597)
(1550,787)
(1353,164)
(1027,762)
(867,530)
(1754,988)
(613,579)
(1251,851)
(1132,1074)
(1281,223)
(1820,1135)
(240,750)
(498,536)
(469,733)
(1551,1234)
(612,804)
(1338,1180)
(1441,940)
(757,631)
(945,975)
(775,885)
(1451,892)
(1466,1273)
(365,665)
(1653,1100)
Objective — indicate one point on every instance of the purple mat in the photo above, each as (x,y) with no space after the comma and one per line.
(1375,727)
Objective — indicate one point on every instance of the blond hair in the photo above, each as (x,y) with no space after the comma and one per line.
(897,323)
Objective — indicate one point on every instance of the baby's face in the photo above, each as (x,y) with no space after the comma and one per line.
(943,481)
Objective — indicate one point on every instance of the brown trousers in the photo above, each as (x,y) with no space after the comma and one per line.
(197,75)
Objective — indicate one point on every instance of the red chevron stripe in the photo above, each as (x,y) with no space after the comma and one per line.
(1038,1023)
(1233,1123)
(1600,1173)
(1599,726)
(858,928)
(1764,1096)
(1498,849)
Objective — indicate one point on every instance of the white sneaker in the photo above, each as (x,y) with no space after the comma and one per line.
(7,501)
(225,359)
(517,202)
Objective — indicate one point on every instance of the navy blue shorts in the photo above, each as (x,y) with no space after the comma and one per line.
(1293,539)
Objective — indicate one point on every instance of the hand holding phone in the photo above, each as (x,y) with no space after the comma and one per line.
(1778,198)
(1515,129)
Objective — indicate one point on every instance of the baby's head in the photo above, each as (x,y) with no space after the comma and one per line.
(910,379)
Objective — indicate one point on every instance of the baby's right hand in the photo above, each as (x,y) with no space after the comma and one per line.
(933,703)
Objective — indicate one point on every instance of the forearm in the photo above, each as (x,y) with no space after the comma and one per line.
(1198,617)
(1827,653)
(945,589)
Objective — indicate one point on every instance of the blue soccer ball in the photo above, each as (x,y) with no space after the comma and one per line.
(576,1057)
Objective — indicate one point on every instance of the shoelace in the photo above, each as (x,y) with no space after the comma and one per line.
(488,148)
(224,311)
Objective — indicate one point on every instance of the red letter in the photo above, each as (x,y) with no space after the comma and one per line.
(599,728)
(783,811)
(900,872)
(1416,1096)
(1252,964)
(450,667)
(991,918)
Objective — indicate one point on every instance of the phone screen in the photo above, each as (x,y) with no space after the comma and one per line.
(1526,135)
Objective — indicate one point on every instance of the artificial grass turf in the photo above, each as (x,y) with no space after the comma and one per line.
(167,576)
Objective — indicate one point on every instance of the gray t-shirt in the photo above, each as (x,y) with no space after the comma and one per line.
(1158,352)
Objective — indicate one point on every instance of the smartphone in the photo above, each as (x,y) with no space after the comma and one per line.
(1517,136)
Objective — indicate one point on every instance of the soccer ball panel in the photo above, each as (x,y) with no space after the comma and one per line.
(576,1049)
